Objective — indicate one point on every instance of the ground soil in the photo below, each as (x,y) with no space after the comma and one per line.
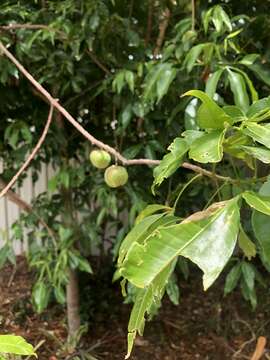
(204,325)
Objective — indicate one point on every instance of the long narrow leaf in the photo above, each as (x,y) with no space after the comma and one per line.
(208,243)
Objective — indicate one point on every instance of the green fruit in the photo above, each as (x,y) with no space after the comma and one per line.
(116,176)
(100,158)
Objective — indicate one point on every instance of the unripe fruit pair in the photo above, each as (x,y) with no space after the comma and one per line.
(100,158)
(115,175)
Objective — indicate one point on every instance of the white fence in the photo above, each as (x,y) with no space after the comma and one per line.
(9,212)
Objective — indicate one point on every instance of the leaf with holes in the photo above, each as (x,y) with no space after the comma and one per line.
(208,242)
(208,148)
(170,162)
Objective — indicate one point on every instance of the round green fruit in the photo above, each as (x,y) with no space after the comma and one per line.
(100,158)
(116,176)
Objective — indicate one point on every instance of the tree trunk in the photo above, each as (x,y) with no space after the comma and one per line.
(73,303)
(72,288)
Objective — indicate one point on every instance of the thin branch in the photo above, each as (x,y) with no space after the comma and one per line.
(12,27)
(131,6)
(54,103)
(65,113)
(193,14)
(97,62)
(17,200)
(13,197)
(25,26)
(31,156)
(162,30)
(149,22)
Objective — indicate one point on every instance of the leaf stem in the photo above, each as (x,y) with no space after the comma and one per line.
(184,188)
(214,195)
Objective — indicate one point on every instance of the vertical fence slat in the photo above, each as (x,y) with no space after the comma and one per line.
(9,212)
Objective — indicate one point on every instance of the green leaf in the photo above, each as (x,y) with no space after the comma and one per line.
(209,243)
(150,210)
(217,19)
(235,113)
(119,82)
(239,90)
(258,133)
(192,56)
(164,82)
(64,178)
(249,274)
(259,153)
(248,282)
(170,162)
(208,148)
(258,202)
(144,301)
(210,115)
(249,59)
(192,135)
(85,266)
(206,18)
(129,77)
(60,294)
(172,289)
(246,245)
(232,279)
(261,71)
(259,107)
(40,296)
(253,92)
(248,294)
(261,228)
(223,16)
(126,116)
(4,255)
(141,231)
(158,81)
(52,183)
(211,84)
(11,344)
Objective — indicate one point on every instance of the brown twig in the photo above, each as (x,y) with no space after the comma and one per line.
(25,26)
(10,281)
(259,351)
(149,23)
(17,200)
(13,197)
(162,30)
(98,63)
(12,27)
(54,103)
(31,156)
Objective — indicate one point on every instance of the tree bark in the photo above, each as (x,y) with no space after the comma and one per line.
(73,303)
(72,288)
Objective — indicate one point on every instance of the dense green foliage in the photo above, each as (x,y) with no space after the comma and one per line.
(141,76)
